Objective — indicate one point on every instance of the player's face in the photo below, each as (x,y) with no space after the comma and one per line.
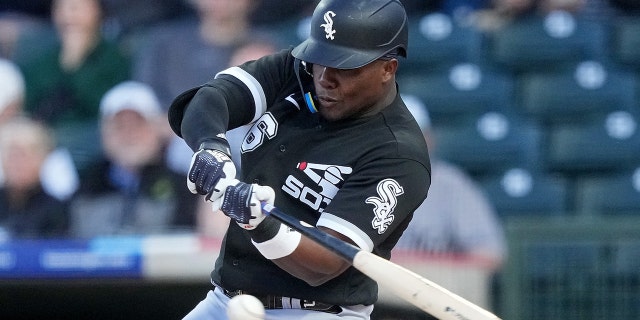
(353,93)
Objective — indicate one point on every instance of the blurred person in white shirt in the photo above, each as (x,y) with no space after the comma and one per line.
(58,174)
(456,219)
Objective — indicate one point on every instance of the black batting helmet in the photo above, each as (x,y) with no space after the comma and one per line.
(348,34)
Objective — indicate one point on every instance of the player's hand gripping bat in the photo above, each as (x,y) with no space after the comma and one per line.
(419,291)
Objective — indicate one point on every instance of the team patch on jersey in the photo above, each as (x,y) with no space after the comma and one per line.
(264,128)
(385,204)
(327,180)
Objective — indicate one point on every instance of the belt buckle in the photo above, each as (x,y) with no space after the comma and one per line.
(320,306)
(233,293)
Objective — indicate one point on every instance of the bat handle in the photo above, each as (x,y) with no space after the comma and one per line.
(266,207)
(338,246)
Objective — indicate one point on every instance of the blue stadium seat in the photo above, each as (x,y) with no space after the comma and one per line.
(461,90)
(617,193)
(436,41)
(546,42)
(571,95)
(627,257)
(521,192)
(608,142)
(489,142)
(626,41)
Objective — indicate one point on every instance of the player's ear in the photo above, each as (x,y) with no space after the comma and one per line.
(389,68)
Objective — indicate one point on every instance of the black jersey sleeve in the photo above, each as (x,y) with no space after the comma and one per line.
(264,81)
(235,97)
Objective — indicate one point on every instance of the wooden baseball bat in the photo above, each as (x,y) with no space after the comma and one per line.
(408,285)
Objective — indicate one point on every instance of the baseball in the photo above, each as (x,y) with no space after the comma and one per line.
(245,307)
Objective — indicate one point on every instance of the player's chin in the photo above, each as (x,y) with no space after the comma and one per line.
(330,114)
(330,111)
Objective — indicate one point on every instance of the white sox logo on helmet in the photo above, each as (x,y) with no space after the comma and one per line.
(388,191)
(328,25)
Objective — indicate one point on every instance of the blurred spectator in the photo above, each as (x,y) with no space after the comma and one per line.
(58,174)
(187,53)
(502,12)
(458,9)
(125,17)
(456,219)
(269,12)
(573,6)
(66,82)
(132,191)
(12,90)
(26,210)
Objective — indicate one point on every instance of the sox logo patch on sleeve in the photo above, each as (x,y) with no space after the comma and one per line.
(385,204)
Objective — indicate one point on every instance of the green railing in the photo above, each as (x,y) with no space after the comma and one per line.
(581,268)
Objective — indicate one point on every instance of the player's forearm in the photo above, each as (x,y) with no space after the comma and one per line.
(205,117)
(296,254)
(312,263)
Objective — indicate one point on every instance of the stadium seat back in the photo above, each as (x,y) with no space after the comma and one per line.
(461,90)
(609,142)
(572,95)
(490,142)
(522,192)
(546,42)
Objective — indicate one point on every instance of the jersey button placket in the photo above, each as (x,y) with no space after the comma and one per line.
(283,148)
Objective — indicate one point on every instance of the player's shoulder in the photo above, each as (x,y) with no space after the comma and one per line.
(405,131)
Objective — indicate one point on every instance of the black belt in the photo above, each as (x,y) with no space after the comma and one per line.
(278,302)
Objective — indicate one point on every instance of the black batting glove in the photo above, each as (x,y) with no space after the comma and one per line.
(242,203)
(210,173)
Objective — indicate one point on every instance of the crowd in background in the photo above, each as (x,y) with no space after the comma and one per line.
(85,85)
(85,147)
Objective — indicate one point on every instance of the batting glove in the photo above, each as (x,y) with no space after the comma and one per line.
(210,172)
(242,203)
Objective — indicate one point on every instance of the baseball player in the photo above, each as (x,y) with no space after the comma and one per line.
(332,144)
